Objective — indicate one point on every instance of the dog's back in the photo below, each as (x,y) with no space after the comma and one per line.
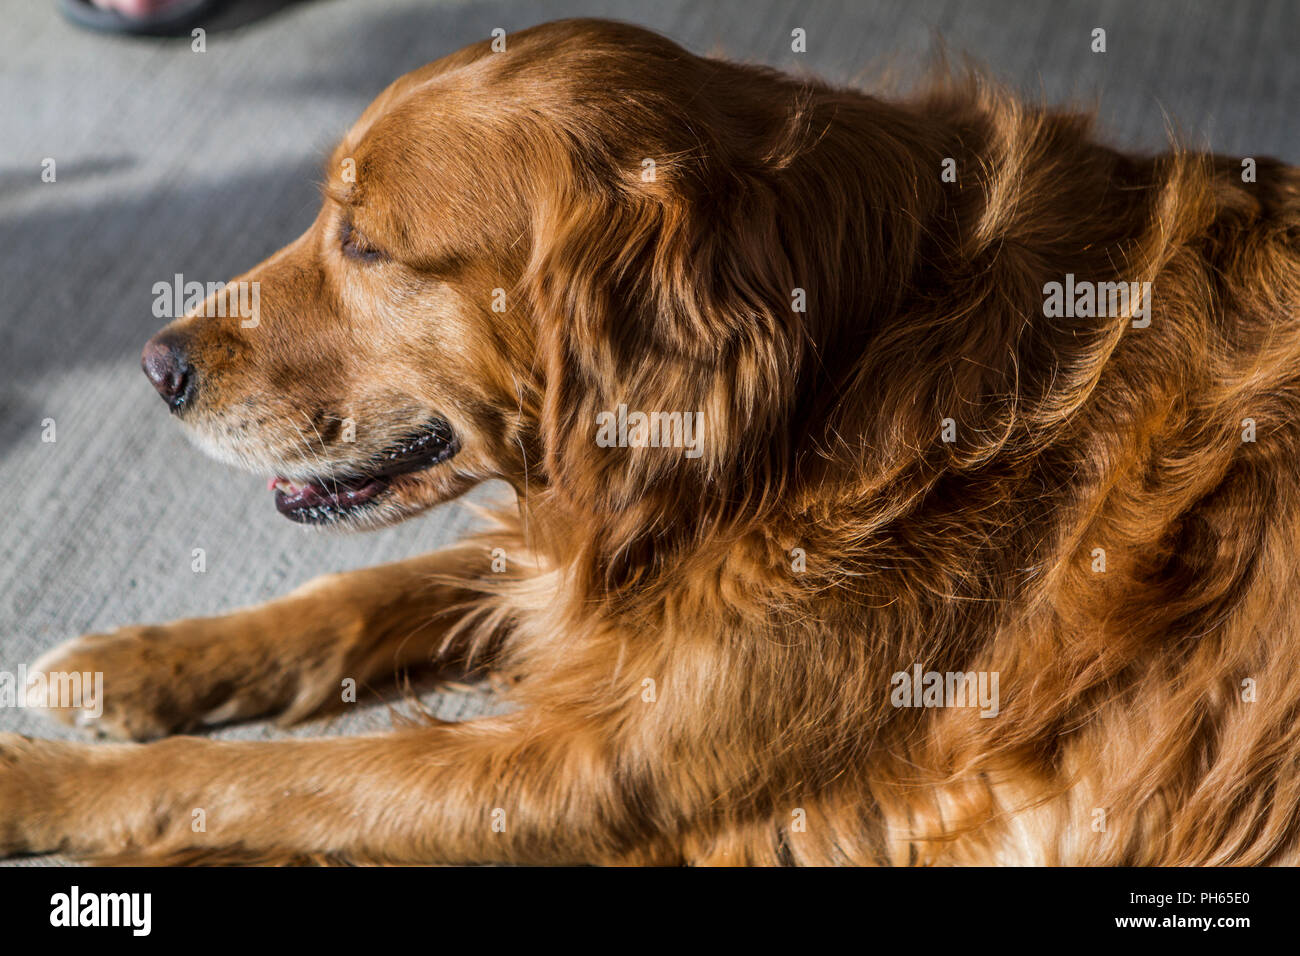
(1065,467)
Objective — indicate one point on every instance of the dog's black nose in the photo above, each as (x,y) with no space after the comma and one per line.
(165,361)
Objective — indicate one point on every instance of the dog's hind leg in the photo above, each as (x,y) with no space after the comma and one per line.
(289,656)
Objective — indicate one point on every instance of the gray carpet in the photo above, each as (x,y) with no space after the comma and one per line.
(173,161)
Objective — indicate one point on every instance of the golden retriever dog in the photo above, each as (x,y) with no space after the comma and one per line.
(897,483)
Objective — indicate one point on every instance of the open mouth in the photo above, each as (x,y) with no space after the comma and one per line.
(320,500)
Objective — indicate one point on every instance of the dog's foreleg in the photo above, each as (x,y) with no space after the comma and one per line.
(516,788)
(291,655)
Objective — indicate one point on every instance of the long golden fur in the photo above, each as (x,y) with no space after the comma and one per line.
(702,649)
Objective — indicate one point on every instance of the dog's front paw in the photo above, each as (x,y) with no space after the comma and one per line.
(141,683)
(123,685)
(25,797)
(13,803)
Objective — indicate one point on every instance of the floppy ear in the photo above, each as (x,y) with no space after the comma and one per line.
(673,296)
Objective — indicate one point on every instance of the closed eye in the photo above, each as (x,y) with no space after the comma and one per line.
(355,246)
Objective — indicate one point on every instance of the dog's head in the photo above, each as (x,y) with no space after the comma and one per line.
(529,264)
